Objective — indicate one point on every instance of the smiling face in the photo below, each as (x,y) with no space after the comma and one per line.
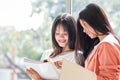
(88,29)
(61,36)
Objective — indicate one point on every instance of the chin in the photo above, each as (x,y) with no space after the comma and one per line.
(62,46)
(92,37)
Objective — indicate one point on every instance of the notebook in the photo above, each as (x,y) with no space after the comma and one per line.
(72,71)
(46,70)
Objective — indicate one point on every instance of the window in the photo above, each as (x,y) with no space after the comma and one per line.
(110,7)
(25,30)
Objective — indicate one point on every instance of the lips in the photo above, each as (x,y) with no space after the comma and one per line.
(88,33)
(61,41)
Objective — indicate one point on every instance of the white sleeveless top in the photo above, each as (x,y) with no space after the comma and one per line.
(69,56)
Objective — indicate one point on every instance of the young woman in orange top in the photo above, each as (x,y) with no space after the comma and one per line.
(100,45)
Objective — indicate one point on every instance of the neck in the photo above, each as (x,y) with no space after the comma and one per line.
(65,51)
(102,37)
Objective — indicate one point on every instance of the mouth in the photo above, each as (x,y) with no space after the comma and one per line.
(61,41)
(88,34)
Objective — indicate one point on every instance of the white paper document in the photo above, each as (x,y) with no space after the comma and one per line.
(46,70)
(71,71)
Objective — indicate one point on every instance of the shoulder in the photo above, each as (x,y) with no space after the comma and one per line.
(106,48)
(107,45)
(104,44)
(110,39)
(108,42)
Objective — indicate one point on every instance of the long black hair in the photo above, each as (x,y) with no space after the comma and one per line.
(97,19)
(69,24)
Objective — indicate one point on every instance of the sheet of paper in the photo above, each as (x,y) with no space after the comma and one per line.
(71,71)
(46,70)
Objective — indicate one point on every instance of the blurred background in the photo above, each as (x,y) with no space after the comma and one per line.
(25,29)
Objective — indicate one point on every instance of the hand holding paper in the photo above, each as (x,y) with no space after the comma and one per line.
(46,70)
(33,74)
(58,64)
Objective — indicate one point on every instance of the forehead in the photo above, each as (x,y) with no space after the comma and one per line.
(83,23)
(61,27)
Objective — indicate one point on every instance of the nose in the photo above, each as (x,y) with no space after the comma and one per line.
(61,35)
(84,30)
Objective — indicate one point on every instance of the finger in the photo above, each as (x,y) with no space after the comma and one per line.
(33,71)
(60,63)
(57,64)
(36,74)
(29,73)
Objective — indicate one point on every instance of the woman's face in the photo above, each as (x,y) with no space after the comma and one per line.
(88,29)
(61,36)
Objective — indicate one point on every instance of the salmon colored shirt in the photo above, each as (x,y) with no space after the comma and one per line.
(104,60)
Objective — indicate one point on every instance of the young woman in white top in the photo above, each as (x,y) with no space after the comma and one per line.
(63,41)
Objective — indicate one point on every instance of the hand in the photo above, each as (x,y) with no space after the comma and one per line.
(33,74)
(58,64)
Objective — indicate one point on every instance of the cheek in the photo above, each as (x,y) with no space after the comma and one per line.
(86,31)
(56,37)
(66,37)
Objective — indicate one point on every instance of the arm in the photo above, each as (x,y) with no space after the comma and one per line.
(109,62)
(33,74)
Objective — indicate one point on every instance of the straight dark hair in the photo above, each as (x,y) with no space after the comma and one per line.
(97,19)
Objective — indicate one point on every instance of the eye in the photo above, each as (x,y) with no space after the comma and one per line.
(56,33)
(65,33)
(84,23)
